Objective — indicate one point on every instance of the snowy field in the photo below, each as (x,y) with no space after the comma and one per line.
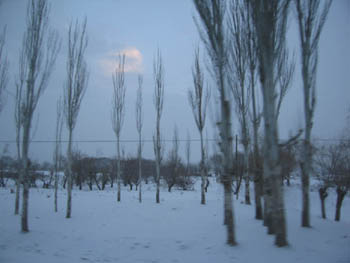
(177,230)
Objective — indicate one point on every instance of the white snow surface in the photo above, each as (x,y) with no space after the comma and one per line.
(178,229)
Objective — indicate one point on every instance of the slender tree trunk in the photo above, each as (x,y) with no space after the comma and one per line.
(340,197)
(323,195)
(207,185)
(158,149)
(257,196)
(112,180)
(246,175)
(257,169)
(56,188)
(25,179)
(25,197)
(69,176)
(140,171)
(158,181)
(268,222)
(118,170)
(203,175)
(18,187)
(279,213)
(305,179)
(228,206)
(227,151)
(18,146)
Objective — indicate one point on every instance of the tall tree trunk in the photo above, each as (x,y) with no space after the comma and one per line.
(158,149)
(323,195)
(118,170)
(258,189)
(279,211)
(272,169)
(112,180)
(203,174)
(246,174)
(245,140)
(157,181)
(18,187)
(268,222)
(56,188)
(69,176)
(257,196)
(228,206)
(340,197)
(140,186)
(227,151)
(140,171)
(305,179)
(25,175)
(25,197)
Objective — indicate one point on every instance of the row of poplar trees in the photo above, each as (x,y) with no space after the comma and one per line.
(245,41)
(37,57)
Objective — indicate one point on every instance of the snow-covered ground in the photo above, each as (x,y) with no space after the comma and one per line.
(177,230)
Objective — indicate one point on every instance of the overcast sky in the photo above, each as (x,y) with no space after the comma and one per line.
(137,28)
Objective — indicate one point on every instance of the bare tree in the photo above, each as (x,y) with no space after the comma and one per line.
(37,62)
(57,150)
(20,80)
(74,90)
(3,69)
(118,111)
(255,114)
(333,163)
(325,163)
(238,63)
(270,20)
(198,99)
(172,173)
(211,28)
(3,84)
(188,153)
(139,123)
(158,74)
(310,23)
(286,66)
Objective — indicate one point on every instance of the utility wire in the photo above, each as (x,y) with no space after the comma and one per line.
(150,140)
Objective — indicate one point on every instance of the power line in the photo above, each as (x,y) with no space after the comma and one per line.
(150,140)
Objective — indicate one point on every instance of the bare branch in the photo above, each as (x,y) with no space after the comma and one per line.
(285,76)
(158,74)
(77,74)
(118,100)
(311,21)
(4,64)
(199,96)
(139,104)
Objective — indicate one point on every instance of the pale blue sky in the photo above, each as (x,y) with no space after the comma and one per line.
(138,28)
